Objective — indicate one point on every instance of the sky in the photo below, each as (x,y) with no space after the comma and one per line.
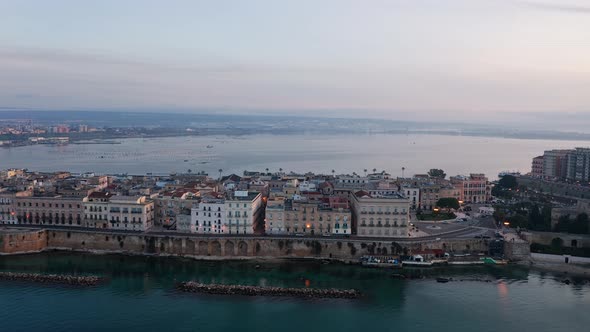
(404,59)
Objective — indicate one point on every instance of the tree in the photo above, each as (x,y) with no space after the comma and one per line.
(448,203)
(508,182)
(280,170)
(333,171)
(563,224)
(220,171)
(403,170)
(365,172)
(535,218)
(518,220)
(499,215)
(557,242)
(267,170)
(580,225)
(189,171)
(437,173)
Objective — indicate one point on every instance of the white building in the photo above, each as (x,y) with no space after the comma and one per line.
(243,211)
(306,186)
(208,216)
(385,215)
(131,213)
(413,194)
(237,214)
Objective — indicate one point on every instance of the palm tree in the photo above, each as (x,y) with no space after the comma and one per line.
(374,170)
(267,170)
(280,170)
(333,171)
(403,169)
(190,171)
(365,172)
(220,171)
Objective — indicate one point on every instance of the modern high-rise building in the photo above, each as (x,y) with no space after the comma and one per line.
(555,164)
(578,165)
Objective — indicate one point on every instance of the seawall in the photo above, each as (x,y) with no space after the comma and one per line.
(21,241)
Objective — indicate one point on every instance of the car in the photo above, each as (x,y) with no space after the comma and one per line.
(299,234)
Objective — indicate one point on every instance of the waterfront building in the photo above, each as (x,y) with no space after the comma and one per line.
(474,188)
(244,210)
(171,205)
(208,216)
(555,164)
(274,222)
(578,165)
(7,208)
(312,216)
(48,209)
(537,167)
(134,213)
(96,206)
(380,215)
(103,210)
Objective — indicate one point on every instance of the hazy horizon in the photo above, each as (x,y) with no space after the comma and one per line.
(459,60)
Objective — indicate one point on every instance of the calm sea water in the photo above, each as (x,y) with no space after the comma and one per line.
(140,295)
(300,153)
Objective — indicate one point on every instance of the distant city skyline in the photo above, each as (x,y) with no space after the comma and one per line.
(417,60)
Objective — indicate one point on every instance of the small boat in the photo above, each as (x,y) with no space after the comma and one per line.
(417,260)
(443,280)
(398,276)
(373,261)
(186,160)
(209,146)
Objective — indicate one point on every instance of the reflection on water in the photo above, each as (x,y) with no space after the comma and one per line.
(139,294)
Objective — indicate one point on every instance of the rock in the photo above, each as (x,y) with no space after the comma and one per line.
(52,278)
(218,289)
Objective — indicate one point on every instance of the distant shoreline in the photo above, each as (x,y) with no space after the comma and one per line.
(115,139)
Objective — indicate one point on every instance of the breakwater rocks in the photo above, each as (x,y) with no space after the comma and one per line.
(52,278)
(217,289)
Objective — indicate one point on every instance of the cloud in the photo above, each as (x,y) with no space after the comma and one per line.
(560,7)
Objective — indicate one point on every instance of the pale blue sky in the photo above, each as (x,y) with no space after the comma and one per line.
(388,58)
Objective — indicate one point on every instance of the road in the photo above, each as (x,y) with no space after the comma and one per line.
(455,232)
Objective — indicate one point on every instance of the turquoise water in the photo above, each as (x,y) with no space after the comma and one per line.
(139,295)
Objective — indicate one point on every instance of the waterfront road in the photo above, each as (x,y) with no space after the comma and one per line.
(459,233)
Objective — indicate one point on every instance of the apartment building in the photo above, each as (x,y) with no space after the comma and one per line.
(474,188)
(132,213)
(380,215)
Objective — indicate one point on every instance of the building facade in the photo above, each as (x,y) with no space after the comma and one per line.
(578,165)
(473,188)
(131,213)
(380,215)
(323,216)
(537,167)
(555,164)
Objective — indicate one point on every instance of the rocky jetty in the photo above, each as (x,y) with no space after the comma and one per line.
(217,289)
(52,278)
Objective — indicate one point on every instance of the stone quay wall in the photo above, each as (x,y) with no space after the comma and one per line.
(237,247)
(247,247)
(22,241)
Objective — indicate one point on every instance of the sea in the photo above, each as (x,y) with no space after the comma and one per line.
(139,294)
(398,154)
